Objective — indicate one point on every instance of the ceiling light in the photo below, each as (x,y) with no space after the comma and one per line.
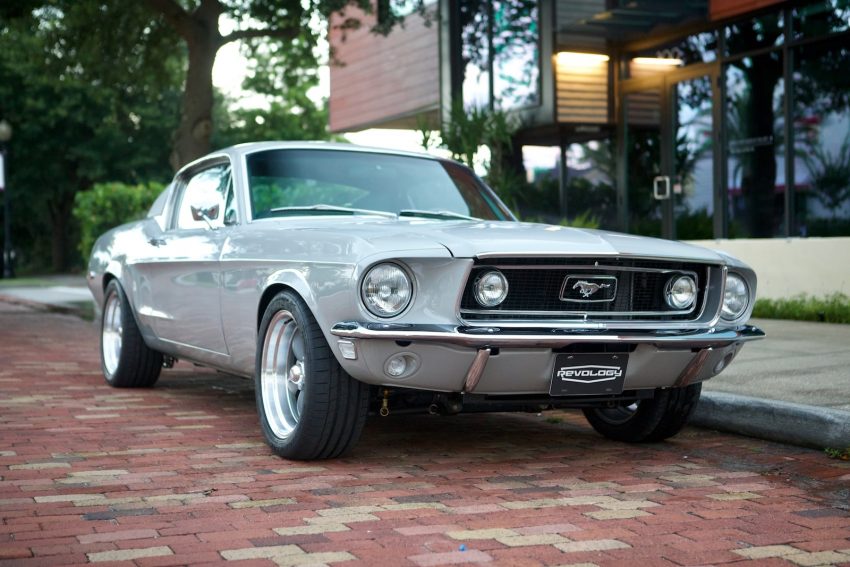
(658,61)
(575,59)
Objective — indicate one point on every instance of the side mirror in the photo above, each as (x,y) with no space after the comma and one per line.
(206,213)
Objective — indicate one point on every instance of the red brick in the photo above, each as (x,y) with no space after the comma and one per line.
(400,459)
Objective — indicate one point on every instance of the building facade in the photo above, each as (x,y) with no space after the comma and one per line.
(691,119)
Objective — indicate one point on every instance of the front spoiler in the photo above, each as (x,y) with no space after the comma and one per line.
(482,337)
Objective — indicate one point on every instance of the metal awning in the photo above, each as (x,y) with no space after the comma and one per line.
(632,18)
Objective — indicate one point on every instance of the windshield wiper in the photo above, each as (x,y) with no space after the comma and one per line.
(327,210)
(444,215)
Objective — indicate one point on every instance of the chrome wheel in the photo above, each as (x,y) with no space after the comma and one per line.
(618,415)
(283,374)
(113,333)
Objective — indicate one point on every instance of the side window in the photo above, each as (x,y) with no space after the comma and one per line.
(208,192)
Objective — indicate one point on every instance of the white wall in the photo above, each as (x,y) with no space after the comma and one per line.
(788,267)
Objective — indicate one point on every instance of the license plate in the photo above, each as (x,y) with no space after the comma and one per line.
(588,374)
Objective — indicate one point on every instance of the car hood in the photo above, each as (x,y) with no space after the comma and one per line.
(470,239)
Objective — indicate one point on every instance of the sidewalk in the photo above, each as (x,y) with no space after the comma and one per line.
(793,387)
(65,293)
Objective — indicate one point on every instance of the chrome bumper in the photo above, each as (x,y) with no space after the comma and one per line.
(483,337)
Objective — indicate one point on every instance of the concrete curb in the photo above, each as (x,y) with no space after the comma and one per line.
(48,307)
(796,424)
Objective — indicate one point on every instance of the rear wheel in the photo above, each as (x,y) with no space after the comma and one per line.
(126,360)
(649,420)
(309,407)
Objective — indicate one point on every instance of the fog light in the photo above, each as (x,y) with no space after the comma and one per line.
(401,365)
(396,365)
(681,292)
(727,360)
(491,289)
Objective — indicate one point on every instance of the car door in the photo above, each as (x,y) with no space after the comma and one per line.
(185,277)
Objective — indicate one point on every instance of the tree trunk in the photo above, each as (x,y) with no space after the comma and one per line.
(60,213)
(192,139)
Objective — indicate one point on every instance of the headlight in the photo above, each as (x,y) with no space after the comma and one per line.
(386,290)
(491,289)
(736,298)
(681,292)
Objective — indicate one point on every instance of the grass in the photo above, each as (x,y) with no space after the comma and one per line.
(26,282)
(833,308)
(842,454)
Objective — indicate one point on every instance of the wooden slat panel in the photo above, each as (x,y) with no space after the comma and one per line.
(382,78)
(643,108)
(572,11)
(569,13)
(582,93)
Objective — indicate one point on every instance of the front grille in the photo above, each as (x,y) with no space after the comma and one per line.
(536,287)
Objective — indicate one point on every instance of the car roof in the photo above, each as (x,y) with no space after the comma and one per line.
(235,152)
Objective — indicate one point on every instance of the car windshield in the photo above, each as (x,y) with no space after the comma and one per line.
(302,182)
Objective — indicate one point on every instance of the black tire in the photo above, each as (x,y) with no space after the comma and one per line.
(312,409)
(654,419)
(127,363)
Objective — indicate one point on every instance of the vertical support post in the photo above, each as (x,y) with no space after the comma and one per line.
(788,111)
(563,173)
(8,251)
(451,65)
(721,199)
(669,118)
(622,154)
(491,57)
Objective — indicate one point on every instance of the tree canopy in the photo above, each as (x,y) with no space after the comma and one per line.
(116,90)
(71,129)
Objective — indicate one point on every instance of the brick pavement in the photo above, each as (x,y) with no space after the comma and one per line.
(178,475)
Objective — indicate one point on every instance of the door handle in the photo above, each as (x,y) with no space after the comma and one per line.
(157,241)
(661,187)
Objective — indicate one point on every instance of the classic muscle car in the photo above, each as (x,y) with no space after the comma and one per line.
(345,280)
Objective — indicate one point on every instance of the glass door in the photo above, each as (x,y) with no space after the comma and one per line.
(666,153)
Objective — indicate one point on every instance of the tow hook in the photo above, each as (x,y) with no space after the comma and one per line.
(385,404)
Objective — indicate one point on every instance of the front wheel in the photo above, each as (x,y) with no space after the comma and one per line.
(309,407)
(126,360)
(649,420)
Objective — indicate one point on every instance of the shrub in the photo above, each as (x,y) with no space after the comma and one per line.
(583,220)
(833,308)
(107,205)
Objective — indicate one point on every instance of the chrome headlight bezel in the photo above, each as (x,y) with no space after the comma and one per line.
(478,292)
(671,292)
(736,284)
(372,304)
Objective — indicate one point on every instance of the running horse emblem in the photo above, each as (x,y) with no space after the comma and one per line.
(589,288)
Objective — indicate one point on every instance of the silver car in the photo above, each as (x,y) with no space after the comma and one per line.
(348,280)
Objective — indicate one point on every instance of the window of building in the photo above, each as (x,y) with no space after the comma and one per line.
(822,138)
(821,18)
(500,53)
(755,146)
(767,30)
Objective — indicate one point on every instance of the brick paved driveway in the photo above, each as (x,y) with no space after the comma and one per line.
(178,475)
